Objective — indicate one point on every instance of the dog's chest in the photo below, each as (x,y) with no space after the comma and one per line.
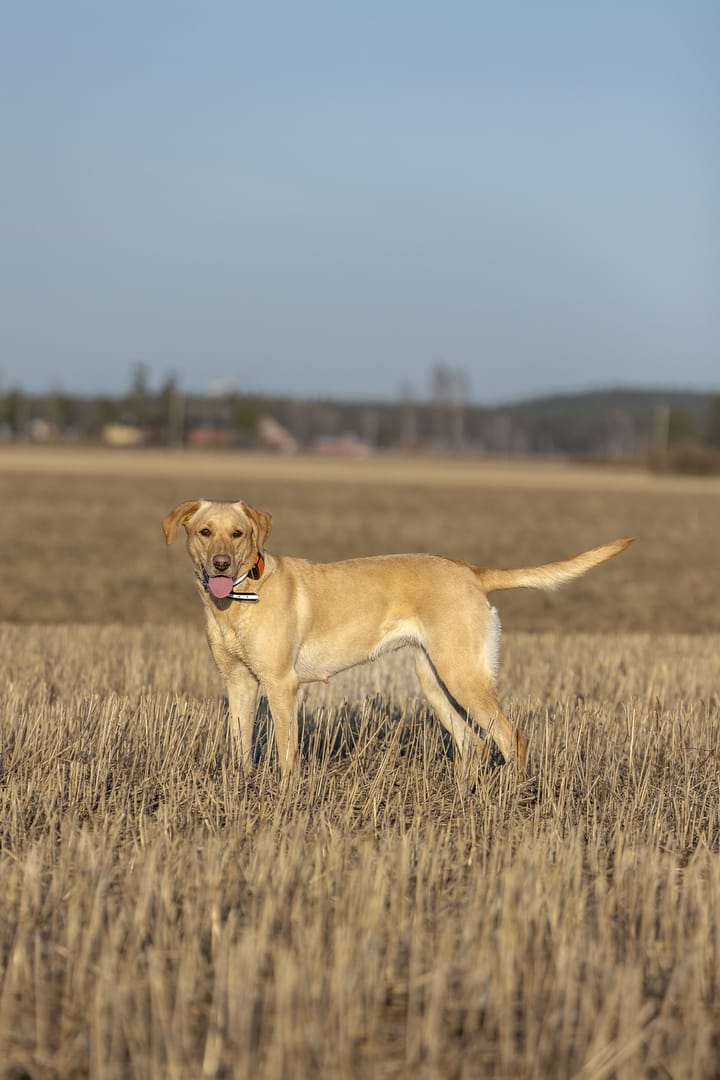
(227,641)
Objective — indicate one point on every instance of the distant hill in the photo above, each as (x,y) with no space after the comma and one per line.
(616,420)
(634,400)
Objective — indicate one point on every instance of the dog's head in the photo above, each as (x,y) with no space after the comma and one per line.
(224,539)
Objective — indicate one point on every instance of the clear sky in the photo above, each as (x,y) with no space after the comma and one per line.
(328,198)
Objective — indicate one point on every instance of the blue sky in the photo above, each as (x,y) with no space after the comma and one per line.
(328,199)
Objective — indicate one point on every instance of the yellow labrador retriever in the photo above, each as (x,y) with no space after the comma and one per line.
(275,622)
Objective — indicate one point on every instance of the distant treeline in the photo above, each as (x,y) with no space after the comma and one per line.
(609,424)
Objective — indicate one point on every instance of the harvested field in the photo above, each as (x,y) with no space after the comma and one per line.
(82,541)
(162,915)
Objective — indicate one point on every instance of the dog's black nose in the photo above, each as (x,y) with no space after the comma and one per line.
(221,562)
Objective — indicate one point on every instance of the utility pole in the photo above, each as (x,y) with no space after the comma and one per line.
(441,390)
(408,418)
(460,387)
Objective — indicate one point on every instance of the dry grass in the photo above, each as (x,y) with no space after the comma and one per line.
(162,915)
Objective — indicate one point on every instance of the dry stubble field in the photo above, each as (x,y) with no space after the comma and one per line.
(162,915)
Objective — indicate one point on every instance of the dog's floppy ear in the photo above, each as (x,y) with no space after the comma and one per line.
(262,523)
(178,516)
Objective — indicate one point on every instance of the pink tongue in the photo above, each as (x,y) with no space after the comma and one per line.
(220,586)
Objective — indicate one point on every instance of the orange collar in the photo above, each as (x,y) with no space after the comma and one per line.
(258,568)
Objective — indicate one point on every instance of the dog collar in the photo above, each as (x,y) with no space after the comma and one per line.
(255,572)
(258,568)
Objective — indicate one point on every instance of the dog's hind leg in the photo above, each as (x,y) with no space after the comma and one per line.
(471,688)
(467,741)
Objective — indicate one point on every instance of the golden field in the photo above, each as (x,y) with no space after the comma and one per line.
(81,538)
(162,915)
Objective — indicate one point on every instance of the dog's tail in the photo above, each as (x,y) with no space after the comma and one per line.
(551,575)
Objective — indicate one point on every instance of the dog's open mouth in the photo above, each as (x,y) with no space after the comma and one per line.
(223,587)
(220,587)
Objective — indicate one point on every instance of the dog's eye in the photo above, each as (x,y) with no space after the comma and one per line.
(206,531)
(237,534)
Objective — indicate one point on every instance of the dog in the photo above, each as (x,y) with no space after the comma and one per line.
(275,622)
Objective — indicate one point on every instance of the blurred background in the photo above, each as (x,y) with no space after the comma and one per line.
(489,227)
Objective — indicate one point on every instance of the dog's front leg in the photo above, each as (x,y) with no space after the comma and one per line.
(242,691)
(282,700)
